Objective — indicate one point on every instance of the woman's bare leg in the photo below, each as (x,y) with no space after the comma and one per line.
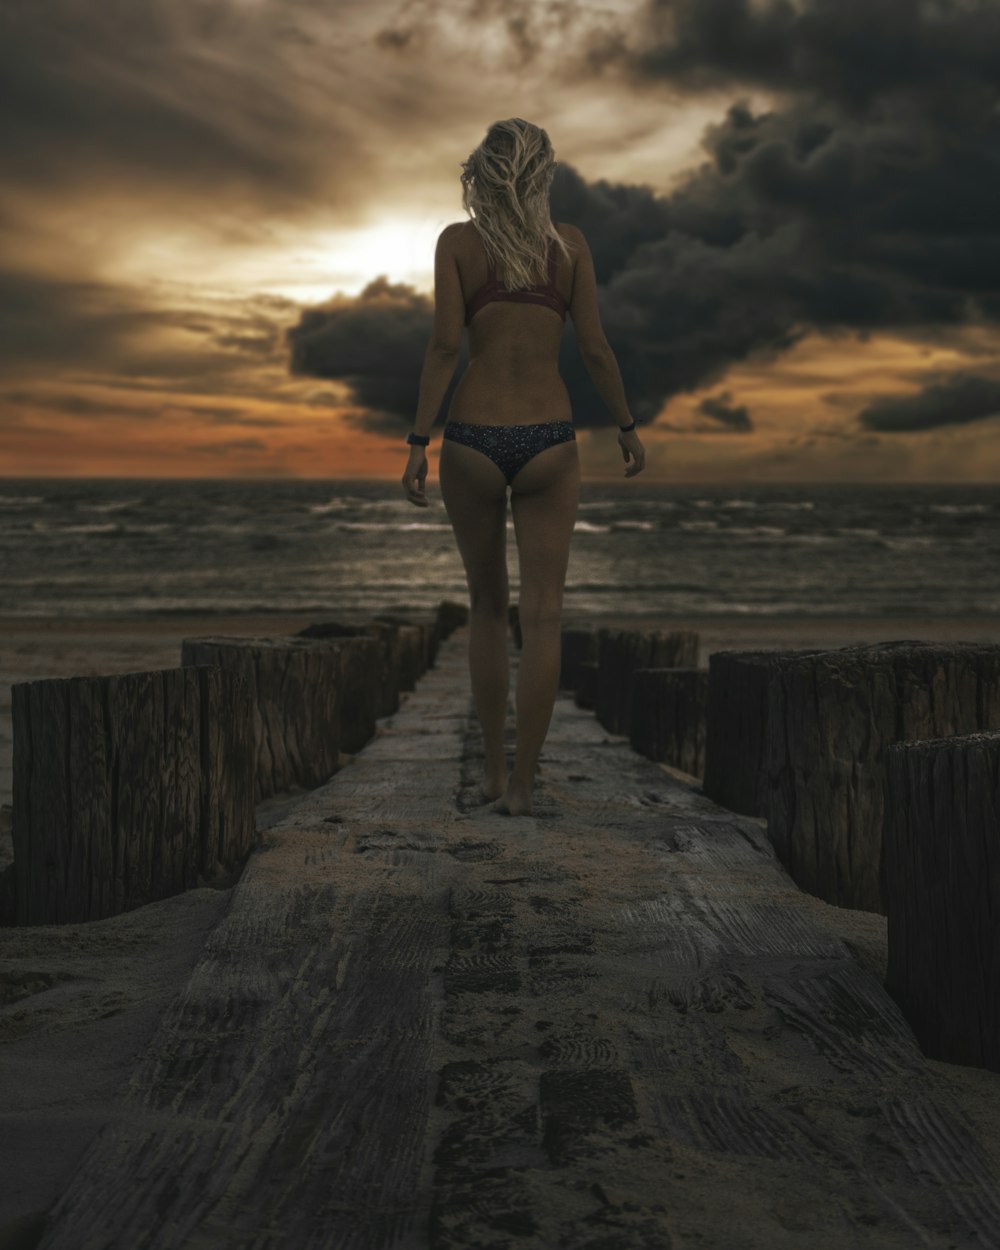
(544,499)
(474,492)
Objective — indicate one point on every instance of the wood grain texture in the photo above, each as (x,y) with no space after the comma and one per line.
(619,651)
(615,1023)
(127,788)
(313,698)
(830,718)
(736,728)
(667,716)
(385,674)
(942,886)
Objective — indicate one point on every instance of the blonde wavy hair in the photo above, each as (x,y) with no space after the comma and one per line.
(505,190)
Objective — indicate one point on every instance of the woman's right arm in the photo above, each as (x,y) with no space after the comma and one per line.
(598,357)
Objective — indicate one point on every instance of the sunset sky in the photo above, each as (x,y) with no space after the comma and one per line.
(218,221)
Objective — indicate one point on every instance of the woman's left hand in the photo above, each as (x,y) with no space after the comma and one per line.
(415,476)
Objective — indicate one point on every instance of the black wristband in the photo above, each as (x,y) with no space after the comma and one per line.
(626,428)
(417,440)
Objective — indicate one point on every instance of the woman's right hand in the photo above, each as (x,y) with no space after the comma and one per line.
(631,446)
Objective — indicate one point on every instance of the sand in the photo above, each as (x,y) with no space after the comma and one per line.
(79,1002)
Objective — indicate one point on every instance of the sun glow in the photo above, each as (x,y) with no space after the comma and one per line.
(399,249)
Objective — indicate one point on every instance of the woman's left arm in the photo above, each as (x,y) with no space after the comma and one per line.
(440,358)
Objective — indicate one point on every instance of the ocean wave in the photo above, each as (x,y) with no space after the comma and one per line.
(911,543)
(387,527)
(766,530)
(46,527)
(113,505)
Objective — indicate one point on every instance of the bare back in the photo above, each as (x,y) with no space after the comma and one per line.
(513,375)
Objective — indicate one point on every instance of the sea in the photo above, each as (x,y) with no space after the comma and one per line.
(132,548)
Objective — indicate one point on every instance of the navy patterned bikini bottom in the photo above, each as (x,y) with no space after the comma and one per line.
(510,447)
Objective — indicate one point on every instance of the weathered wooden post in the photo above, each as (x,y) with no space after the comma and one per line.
(941,883)
(127,788)
(667,716)
(414,641)
(830,718)
(619,651)
(8,895)
(311,698)
(579,646)
(436,623)
(451,616)
(585,695)
(394,663)
(736,728)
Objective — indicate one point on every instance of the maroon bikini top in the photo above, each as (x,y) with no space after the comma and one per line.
(493,289)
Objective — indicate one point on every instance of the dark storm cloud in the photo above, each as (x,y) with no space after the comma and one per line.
(55,324)
(84,406)
(375,343)
(847,50)
(867,198)
(76,405)
(733,417)
(163,93)
(955,401)
(47,320)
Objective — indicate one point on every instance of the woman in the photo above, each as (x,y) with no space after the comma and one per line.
(510,274)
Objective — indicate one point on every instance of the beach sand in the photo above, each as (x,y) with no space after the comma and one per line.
(79,1002)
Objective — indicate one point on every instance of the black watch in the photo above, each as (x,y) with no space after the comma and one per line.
(417,440)
(626,428)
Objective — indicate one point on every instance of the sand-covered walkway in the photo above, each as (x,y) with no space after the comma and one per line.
(616,1024)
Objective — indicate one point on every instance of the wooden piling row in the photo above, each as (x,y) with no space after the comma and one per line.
(830,718)
(585,694)
(736,728)
(127,788)
(877,768)
(579,647)
(131,787)
(645,685)
(667,716)
(620,651)
(301,717)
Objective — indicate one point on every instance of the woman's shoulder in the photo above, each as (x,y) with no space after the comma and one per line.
(572,235)
(467,228)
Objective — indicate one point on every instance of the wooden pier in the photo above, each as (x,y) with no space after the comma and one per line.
(616,1023)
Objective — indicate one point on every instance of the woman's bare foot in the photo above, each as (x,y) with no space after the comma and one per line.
(515,801)
(494,786)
